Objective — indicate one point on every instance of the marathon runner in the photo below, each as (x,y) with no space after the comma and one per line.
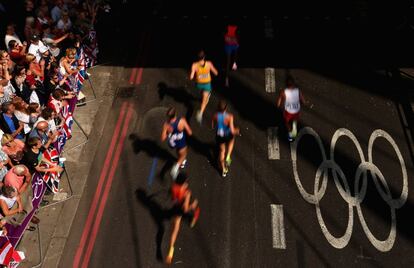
(291,98)
(200,70)
(181,196)
(231,45)
(175,130)
(223,121)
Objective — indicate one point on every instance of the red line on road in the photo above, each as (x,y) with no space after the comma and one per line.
(104,171)
(133,74)
(139,76)
(107,189)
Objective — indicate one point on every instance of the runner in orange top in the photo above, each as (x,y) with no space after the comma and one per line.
(200,70)
(181,195)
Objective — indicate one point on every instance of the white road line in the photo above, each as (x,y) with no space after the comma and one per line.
(270,81)
(278,227)
(273,143)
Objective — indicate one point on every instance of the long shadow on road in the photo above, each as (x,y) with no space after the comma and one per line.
(179,95)
(159,215)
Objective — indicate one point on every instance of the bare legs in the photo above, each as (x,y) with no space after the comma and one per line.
(187,208)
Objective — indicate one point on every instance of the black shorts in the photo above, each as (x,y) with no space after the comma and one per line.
(225,139)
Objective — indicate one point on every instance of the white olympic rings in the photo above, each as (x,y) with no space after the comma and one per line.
(344,189)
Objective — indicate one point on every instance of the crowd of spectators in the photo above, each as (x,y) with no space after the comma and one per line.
(42,68)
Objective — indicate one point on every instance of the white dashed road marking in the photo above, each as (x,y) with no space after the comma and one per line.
(278,228)
(273,143)
(270,80)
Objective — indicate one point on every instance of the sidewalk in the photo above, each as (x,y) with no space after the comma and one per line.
(47,242)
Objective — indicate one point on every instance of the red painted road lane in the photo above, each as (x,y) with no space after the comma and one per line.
(101,181)
(107,188)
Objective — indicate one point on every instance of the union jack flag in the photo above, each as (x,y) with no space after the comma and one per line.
(67,126)
(91,50)
(52,178)
(8,255)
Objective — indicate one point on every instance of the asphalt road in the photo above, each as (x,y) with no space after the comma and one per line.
(237,226)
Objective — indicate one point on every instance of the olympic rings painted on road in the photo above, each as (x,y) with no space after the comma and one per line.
(321,182)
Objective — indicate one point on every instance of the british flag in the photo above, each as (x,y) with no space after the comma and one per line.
(91,49)
(52,178)
(9,257)
(67,116)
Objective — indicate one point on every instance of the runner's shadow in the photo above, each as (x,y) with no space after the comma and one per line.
(250,105)
(151,147)
(208,150)
(179,94)
(159,215)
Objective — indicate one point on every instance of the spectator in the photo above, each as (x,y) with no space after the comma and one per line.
(4,95)
(52,41)
(4,160)
(42,132)
(18,82)
(3,230)
(19,178)
(66,62)
(29,29)
(9,122)
(42,19)
(29,9)
(17,52)
(52,83)
(82,23)
(22,114)
(5,59)
(64,24)
(11,35)
(57,10)
(58,99)
(49,115)
(35,45)
(11,204)
(44,7)
(34,78)
(14,148)
(33,158)
(34,113)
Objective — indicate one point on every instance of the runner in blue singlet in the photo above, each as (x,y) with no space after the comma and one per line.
(223,121)
(175,130)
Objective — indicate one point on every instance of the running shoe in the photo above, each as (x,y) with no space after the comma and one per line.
(174,171)
(199,117)
(228,160)
(225,171)
(195,217)
(294,129)
(290,138)
(168,259)
(234,67)
(184,163)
